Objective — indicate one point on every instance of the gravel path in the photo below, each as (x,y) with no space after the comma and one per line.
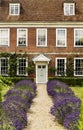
(39,117)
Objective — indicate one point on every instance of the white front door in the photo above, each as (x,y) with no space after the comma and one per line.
(41,73)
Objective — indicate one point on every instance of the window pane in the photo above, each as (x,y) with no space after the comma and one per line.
(22,67)
(61,37)
(66,9)
(79,67)
(79,37)
(42,37)
(4,66)
(60,67)
(22,37)
(69,8)
(4,37)
(14,9)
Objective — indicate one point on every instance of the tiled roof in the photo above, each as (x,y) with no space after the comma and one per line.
(41,10)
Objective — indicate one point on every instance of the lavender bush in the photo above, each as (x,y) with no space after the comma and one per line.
(66,106)
(71,121)
(26,85)
(17,102)
(55,86)
(63,106)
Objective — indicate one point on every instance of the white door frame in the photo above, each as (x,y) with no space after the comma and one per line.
(41,59)
(41,63)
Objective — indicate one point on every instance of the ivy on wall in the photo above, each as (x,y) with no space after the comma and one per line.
(70,66)
(12,69)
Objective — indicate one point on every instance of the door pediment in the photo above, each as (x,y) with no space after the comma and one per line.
(41,58)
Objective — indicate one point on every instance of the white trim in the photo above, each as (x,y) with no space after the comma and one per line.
(74,37)
(69,7)
(26,36)
(65,37)
(48,24)
(74,65)
(37,37)
(56,64)
(41,58)
(18,65)
(37,72)
(0,65)
(14,6)
(8,29)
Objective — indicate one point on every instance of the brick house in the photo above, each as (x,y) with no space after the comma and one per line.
(48,31)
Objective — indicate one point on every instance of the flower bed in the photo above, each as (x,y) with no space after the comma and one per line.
(17,102)
(66,106)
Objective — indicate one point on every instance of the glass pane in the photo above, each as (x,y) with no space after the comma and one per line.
(79,37)
(41,37)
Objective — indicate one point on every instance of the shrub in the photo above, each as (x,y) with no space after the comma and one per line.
(70,81)
(71,121)
(27,85)
(17,102)
(55,86)
(66,106)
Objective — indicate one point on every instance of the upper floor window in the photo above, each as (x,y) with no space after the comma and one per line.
(4,37)
(69,9)
(14,8)
(42,37)
(22,37)
(61,37)
(78,37)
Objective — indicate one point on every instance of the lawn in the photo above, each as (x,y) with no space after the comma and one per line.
(79,93)
(4,88)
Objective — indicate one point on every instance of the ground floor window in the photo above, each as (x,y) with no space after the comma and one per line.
(78,66)
(3,66)
(60,66)
(21,68)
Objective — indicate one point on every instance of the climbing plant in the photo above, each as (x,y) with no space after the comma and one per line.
(70,66)
(13,65)
(12,69)
(31,69)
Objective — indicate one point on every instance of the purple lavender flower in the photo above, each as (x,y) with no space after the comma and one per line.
(66,105)
(55,86)
(71,121)
(17,102)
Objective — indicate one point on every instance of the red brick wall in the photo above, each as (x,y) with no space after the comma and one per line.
(51,45)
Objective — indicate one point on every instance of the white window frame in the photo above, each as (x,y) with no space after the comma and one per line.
(74,65)
(74,38)
(14,6)
(1,66)
(65,60)
(26,37)
(8,36)
(69,8)
(64,39)
(18,66)
(37,37)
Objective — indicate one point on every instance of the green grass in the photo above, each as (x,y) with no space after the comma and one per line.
(3,88)
(79,93)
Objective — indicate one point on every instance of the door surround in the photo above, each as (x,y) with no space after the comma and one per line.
(41,60)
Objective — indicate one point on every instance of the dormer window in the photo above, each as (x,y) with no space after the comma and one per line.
(69,9)
(14,8)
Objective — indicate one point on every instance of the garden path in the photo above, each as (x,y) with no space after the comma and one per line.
(39,117)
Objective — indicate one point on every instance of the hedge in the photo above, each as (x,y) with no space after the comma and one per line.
(10,80)
(70,81)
